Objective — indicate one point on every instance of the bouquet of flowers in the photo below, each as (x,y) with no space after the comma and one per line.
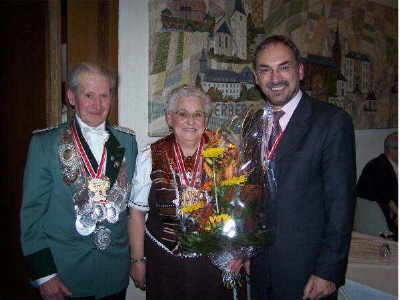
(229,224)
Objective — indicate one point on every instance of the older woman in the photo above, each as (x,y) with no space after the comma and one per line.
(171,164)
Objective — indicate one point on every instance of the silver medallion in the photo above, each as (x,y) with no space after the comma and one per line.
(81,200)
(68,156)
(102,237)
(112,212)
(69,162)
(85,224)
(99,212)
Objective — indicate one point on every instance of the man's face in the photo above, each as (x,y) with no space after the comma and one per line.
(93,99)
(278,74)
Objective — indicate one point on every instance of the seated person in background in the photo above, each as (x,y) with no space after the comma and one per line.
(378,182)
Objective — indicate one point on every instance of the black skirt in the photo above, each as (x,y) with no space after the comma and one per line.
(169,277)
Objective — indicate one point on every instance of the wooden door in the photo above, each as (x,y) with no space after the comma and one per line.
(30,97)
(23,94)
(92,34)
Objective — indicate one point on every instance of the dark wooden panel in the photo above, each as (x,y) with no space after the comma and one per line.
(92,30)
(23,108)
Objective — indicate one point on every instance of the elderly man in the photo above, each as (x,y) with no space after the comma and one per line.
(76,185)
(310,154)
(378,182)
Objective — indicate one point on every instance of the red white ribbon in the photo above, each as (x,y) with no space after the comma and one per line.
(83,156)
(274,146)
(181,165)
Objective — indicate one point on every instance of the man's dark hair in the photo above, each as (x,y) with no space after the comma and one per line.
(278,39)
(390,142)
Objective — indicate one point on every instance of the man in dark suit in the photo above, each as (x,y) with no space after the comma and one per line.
(76,185)
(378,181)
(312,159)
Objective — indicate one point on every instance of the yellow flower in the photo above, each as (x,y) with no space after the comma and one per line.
(215,220)
(190,208)
(213,152)
(234,180)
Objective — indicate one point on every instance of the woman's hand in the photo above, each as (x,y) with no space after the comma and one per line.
(136,241)
(235,265)
(138,274)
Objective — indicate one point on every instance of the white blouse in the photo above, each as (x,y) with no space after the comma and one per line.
(141,181)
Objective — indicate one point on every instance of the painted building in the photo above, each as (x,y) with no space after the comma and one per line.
(228,82)
(188,9)
(230,33)
(357,70)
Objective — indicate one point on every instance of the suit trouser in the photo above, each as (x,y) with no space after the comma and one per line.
(268,295)
(118,296)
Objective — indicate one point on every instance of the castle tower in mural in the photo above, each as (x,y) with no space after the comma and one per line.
(339,81)
(229,37)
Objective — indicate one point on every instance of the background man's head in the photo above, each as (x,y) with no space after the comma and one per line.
(90,91)
(278,69)
(390,146)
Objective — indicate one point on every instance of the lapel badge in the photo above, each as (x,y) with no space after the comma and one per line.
(112,158)
(116,164)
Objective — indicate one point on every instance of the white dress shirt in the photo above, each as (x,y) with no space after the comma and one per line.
(289,108)
(95,137)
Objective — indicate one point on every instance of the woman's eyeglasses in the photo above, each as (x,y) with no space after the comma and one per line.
(185,115)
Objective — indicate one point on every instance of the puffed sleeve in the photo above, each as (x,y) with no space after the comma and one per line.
(141,181)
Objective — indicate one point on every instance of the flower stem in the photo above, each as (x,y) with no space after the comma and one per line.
(215,187)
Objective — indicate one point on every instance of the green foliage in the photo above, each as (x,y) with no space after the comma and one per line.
(160,63)
(251,32)
(208,242)
(198,81)
(331,82)
(254,94)
(205,242)
(179,50)
(215,94)
(243,93)
(229,59)
(229,99)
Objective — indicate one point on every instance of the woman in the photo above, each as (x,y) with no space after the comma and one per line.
(170,165)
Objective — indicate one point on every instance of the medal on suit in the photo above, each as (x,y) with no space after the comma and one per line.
(98,188)
(93,206)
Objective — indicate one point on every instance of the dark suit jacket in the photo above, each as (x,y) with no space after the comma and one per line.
(311,213)
(378,182)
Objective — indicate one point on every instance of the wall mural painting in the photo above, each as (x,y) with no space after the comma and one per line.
(349,49)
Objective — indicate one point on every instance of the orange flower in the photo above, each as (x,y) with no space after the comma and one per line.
(207,185)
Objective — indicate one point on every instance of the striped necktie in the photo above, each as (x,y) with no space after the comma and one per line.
(276,128)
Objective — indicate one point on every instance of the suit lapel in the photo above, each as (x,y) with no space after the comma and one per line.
(296,129)
(115,155)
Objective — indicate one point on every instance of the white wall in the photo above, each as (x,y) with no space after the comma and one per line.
(369,144)
(133,70)
(133,90)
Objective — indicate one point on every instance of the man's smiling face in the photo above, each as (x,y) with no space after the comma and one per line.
(278,74)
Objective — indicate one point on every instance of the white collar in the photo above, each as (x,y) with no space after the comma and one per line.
(289,109)
(82,124)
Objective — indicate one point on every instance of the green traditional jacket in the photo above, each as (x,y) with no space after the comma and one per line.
(49,238)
